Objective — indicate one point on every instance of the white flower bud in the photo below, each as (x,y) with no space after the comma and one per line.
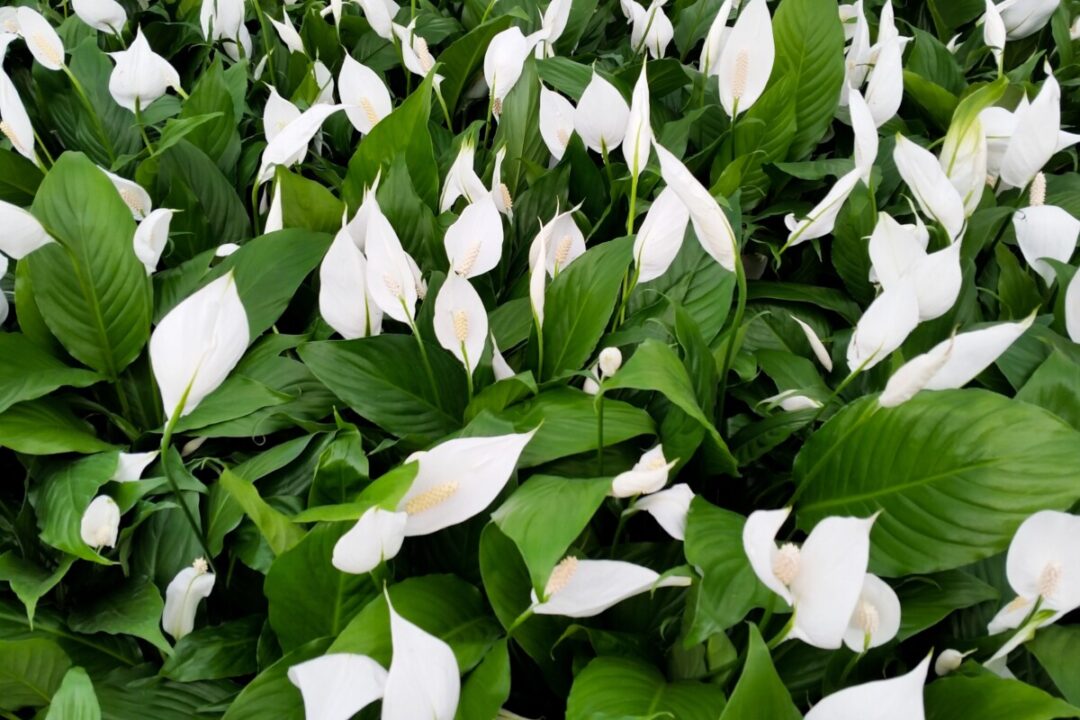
(100,523)
(610,361)
(948,661)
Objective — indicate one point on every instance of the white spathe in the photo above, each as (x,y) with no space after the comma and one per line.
(100,523)
(23,234)
(338,685)
(711,225)
(601,115)
(377,536)
(876,619)
(649,474)
(1045,231)
(660,236)
(151,236)
(364,95)
(669,507)
(747,58)
(899,698)
(474,241)
(141,76)
(424,679)
(460,320)
(584,588)
(190,586)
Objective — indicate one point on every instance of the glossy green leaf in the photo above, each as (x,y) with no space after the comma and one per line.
(620,687)
(75,698)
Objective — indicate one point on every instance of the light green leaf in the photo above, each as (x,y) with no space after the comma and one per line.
(75,698)
(1057,648)
(30,672)
(280,533)
(620,687)
(760,692)
(28,372)
(989,697)
(28,581)
(47,426)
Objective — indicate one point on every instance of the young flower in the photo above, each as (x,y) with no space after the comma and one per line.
(538,278)
(377,536)
(638,140)
(584,588)
(499,366)
(197,344)
(1045,231)
(380,15)
(41,39)
(552,25)
(141,76)
(714,41)
(650,28)
(133,194)
(601,115)
(1036,136)
(460,321)
(815,344)
(288,34)
(474,241)
(344,301)
(648,475)
(886,87)
(290,145)
(182,598)
(747,59)
(822,581)
(948,661)
(791,401)
(130,466)
(934,192)
(503,63)
(278,114)
(100,523)
(275,219)
(669,507)
(364,95)
(866,137)
(221,19)
(1023,18)
(338,685)
(22,234)
(884,326)
(102,15)
(461,179)
(900,698)
(994,32)
(424,680)
(710,223)
(876,619)
(556,121)
(660,236)
(821,220)
(609,362)
(151,236)
(390,278)
(414,50)
(14,121)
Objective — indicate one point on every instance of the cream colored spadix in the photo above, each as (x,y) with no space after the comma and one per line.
(584,588)
(182,597)
(460,320)
(876,619)
(41,39)
(197,344)
(364,95)
(563,242)
(899,698)
(132,193)
(747,59)
(474,241)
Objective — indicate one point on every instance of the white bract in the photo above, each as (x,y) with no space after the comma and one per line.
(461,178)
(364,95)
(601,115)
(876,619)
(102,15)
(221,19)
(816,345)
(130,466)
(391,282)
(711,225)
(563,242)
(649,474)
(151,236)
(100,523)
(650,27)
(141,76)
(994,32)
(822,581)
(899,698)
(714,40)
(933,191)
(584,588)
(1045,231)
(885,89)
(1023,18)
(660,236)
(556,121)
(746,60)
(344,301)
(197,344)
(669,507)
(424,680)
(414,51)
(460,320)
(132,193)
(820,221)
(14,121)
(41,39)
(884,326)
(638,140)
(949,660)
(552,25)
(288,34)
(380,15)
(1035,137)
(1072,308)
(503,63)
(182,598)
(22,234)
(289,146)
(474,241)
(866,137)
(338,685)
(376,536)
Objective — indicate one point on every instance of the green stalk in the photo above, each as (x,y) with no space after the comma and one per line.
(733,333)
(142,126)
(166,439)
(600,434)
(784,632)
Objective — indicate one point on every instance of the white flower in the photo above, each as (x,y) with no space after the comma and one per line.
(380,15)
(278,113)
(584,588)
(1026,17)
(141,76)
(290,145)
(100,523)
(884,326)
(503,63)
(41,39)
(563,242)
(390,279)
(221,19)
(377,536)
(14,121)
(601,115)
(660,236)
(822,581)
(815,344)
(747,59)
(424,680)
(650,28)
(288,34)
(948,661)
(886,87)
(1036,136)
(638,139)
(1072,308)
(714,41)
(711,225)
(133,194)
(364,95)
(22,234)
(130,466)
(460,321)
(151,236)
(499,366)
(414,50)
(197,344)
(669,507)
(610,361)
(934,192)
(994,32)
(338,685)
(461,178)
(896,249)
(648,475)
(500,194)
(182,598)
(899,698)
(553,24)
(821,220)
(876,619)
(866,137)
(102,15)
(1045,231)
(344,301)
(474,241)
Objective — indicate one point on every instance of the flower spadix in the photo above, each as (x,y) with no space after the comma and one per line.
(711,225)
(952,363)
(660,236)
(474,241)
(556,121)
(876,619)
(424,680)
(151,236)
(1041,566)
(344,301)
(100,523)
(23,234)
(364,95)
(563,242)
(1045,231)
(747,59)
(500,194)
(141,76)
(649,474)
(899,698)
(197,344)
(414,51)
(338,685)
(182,598)
(584,588)
(15,123)
(460,320)
(102,15)
(601,115)
(822,580)
(41,39)
(669,507)
(933,191)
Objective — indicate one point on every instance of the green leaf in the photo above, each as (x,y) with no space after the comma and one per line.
(565,419)
(1057,648)
(271,694)
(579,304)
(176,130)
(132,609)
(19,178)
(210,99)
(760,692)
(545,515)
(488,686)
(136,695)
(63,496)
(29,582)
(989,697)
(75,698)
(612,687)
(47,427)
(237,397)
(28,372)
(383,379)
(1056,387)
(212,653)
(307,204)
(278,530)
(729,589)
(308,597)
(30,672)
(91,289)
(939,103)
(928,599)
(942,468)
(655,366)
(951,14)
(445,606)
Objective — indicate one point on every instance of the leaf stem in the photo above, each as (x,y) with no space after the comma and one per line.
(600,434)
(733,332)
(142,127)
(166,439)
(784,632)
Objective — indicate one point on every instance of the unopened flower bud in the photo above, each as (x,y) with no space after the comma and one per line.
(610,361)
(100,523)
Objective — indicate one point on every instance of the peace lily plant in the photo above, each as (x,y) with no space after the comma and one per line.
(577,358)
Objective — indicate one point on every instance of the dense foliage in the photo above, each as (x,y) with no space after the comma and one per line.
(468,359)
